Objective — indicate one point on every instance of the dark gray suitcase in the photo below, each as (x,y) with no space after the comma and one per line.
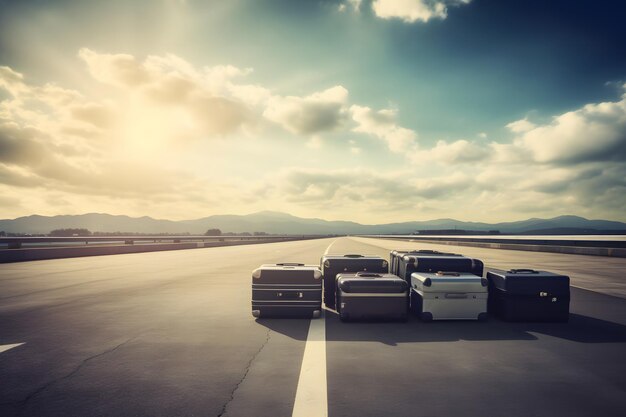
(287,290)
(332,265)
(528,295)
(368,295)
(433,261)
(396,255)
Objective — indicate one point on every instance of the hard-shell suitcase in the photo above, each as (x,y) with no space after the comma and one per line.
(287,290)
(368,295)
(529,295)
(433,261)
(448,296)
(332,265)
(394,257)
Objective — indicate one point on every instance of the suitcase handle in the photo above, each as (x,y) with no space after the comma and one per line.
(523,271)
(368,274)
(291,295)
(447,274)
(456,295)
(353,255)
(289,264)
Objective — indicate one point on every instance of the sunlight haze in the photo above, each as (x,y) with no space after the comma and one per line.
(372,111)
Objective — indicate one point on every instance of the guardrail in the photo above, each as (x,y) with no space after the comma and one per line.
(605,241)
(19,242)
(614,246)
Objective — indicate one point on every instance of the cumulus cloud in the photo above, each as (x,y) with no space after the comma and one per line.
(346,189)
(116,69)
(411,11)
(455,152)
(58,144)
(520,126)
(595,132)
(318,112)
(382,124)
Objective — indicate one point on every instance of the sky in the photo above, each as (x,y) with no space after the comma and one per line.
(373,111)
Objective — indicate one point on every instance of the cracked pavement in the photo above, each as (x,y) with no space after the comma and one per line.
(171,334)
(158,334)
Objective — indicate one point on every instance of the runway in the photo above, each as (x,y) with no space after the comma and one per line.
(171,334)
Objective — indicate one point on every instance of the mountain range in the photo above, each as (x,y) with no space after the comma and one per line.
(282,223)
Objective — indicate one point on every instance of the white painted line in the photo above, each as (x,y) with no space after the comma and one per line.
(311,394)
(4,348)
(328,248)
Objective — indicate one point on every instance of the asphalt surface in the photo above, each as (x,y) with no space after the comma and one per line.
(171,334)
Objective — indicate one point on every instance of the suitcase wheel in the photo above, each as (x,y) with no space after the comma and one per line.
(426,316)
(316,314)
(482,317)
(256,313)
(343,316)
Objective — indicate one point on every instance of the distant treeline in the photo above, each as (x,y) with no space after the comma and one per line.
(81,232)
(456,232)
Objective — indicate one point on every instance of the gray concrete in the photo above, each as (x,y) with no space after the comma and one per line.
(480,369)
(156,334)
(170,334)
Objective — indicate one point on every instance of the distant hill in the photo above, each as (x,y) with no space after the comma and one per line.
(282,223)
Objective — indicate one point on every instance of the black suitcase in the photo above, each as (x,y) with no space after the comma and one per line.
(528,295)
(396,255)
(332,265)
(287,290)
(434,261)
(368,295)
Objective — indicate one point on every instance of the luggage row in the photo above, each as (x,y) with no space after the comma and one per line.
(432,285)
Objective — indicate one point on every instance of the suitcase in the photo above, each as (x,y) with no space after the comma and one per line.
(287,290)
(332,265)
(396,255)
(368,295)
(433,261)
(449,296)
(528,295)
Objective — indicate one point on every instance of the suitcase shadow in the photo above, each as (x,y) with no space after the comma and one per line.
(581,329)
(416,331)
(296,328)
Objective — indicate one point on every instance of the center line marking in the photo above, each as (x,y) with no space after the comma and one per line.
(328,248)
(311,394)
(4,348)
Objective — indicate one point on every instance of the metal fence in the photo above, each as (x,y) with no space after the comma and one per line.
(28,241)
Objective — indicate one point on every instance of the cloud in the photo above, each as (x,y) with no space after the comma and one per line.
(318,112)
(520,126)
(17,145)
(595,132)
(451,153)
(148,135)
(355,5)
(382,124)
(411,11)
(94,114)
(117,69)
(342,188)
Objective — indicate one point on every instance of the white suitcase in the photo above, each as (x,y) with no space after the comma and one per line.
(448,296)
